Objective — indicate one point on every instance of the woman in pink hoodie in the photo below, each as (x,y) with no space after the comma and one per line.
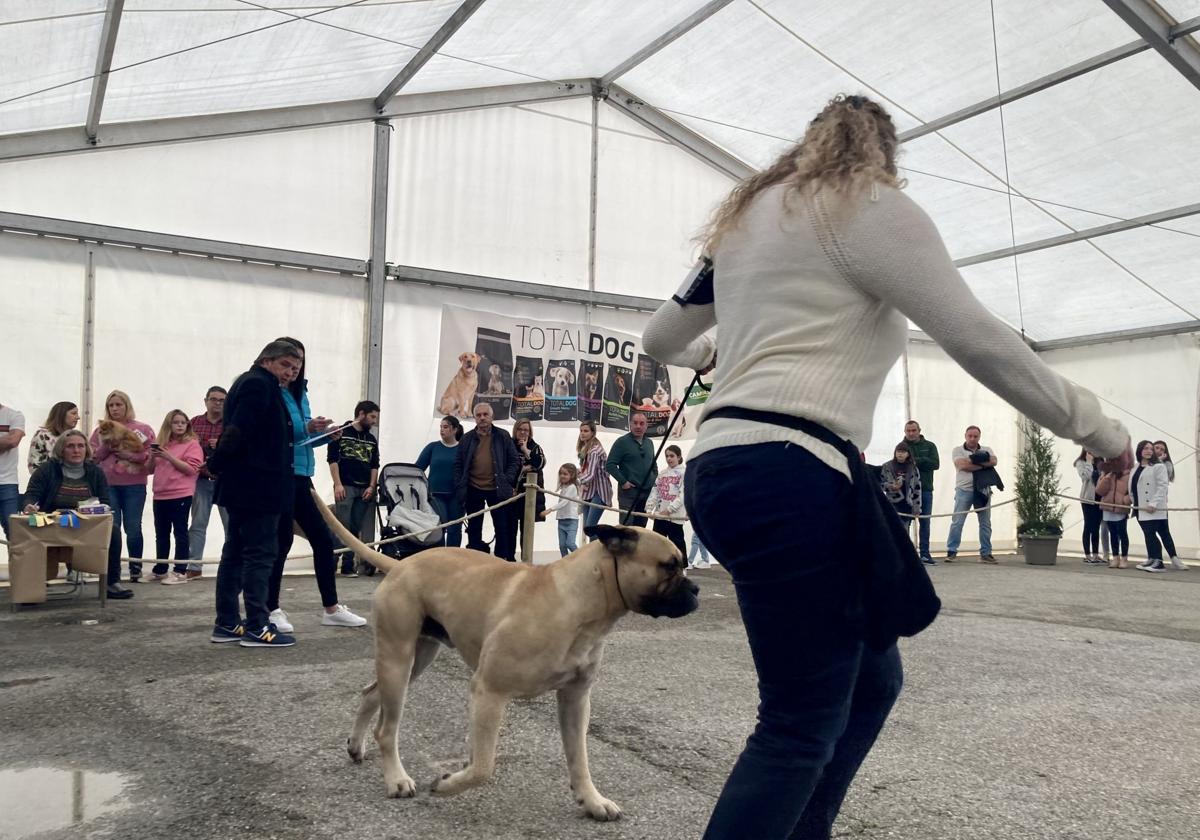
(177,461)
(126,468)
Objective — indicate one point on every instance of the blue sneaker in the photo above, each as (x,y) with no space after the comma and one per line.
(928,561)
(267,637)
(221,635)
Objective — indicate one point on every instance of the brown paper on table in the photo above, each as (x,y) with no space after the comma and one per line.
(34,553)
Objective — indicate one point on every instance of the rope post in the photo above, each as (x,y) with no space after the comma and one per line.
(530,520)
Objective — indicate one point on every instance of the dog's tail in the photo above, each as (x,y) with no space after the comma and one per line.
(376,558)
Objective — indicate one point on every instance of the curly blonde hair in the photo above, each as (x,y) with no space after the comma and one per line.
(848,147)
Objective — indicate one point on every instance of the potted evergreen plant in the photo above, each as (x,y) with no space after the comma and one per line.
(1039,508)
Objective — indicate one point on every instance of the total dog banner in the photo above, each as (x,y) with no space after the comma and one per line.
(556,373)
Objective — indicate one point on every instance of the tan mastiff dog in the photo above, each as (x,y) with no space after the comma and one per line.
(524,630)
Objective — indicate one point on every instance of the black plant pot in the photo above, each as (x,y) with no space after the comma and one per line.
(1040,551)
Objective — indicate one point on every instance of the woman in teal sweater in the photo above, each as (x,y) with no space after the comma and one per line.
(437,459)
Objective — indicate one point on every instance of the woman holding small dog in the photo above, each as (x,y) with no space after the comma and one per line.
(817,261)
(121,446)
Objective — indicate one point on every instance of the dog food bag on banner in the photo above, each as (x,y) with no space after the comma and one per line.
(618,393)
(528,389)
(560,389)
(591,389)
(652,394)
(495,370)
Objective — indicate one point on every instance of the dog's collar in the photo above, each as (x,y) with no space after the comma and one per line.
(617,580)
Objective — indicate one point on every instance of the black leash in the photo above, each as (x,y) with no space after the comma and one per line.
(643,491)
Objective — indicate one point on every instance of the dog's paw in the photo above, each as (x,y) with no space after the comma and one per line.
(356,751)
(601,809)
(402,788)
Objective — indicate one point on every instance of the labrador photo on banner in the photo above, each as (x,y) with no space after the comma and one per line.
(553,373)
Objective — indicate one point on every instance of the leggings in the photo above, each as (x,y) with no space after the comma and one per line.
(1092,517)
(304,513)
(1155,530)
(1118,532)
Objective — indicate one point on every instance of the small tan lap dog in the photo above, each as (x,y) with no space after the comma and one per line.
(523,630)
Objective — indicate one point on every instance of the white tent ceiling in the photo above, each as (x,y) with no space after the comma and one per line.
(1099,125)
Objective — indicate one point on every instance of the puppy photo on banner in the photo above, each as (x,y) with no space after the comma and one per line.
(554,373)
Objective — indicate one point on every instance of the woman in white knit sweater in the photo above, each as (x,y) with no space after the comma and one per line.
(818,260)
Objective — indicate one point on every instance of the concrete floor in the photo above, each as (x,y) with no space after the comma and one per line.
(1045,703)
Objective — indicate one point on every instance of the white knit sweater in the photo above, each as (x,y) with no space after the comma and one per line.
(811,307)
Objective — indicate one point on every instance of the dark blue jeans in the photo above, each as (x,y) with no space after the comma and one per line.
(923,524)
(823,697)
(127,503)
(452,534)
(251,544)
(10,503)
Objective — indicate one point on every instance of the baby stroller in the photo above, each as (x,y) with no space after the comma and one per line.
(403,491)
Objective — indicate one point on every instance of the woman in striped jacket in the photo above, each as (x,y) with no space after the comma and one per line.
(594,484)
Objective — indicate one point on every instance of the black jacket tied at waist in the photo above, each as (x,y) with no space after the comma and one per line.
(897,597)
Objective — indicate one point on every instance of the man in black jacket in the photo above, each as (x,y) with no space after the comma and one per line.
(486,467)
(253,466)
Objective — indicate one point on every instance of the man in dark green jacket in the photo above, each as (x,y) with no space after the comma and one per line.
(631,463)
(925,456)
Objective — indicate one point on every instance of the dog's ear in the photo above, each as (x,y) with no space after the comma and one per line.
(620,540)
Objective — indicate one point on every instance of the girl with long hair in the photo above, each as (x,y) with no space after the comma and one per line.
(1148,486)
(594,484)
(1163,454)
(62,417)
(818,262)
(566,509)
(437,459)
(900,481)
(666,499)
(177,461)
(1087,465)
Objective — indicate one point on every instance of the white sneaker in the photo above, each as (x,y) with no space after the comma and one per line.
(1144,566)
(342,617)
(1178,565)
(173,579)
(280,619)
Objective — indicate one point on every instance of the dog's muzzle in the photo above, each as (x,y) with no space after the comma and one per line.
(679,599)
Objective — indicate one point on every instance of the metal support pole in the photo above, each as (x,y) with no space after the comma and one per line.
(377,267)
(594,180)
(87,359)
(530,521)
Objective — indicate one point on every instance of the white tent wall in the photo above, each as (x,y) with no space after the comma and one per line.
(519,207)
(41,329)
(651,200)
(239,189)
(945,400)
(1151,386)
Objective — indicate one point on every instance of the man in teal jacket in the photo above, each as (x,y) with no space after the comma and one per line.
(925,456)
(631,463)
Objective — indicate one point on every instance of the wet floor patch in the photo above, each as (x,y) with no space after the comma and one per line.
(37,799)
